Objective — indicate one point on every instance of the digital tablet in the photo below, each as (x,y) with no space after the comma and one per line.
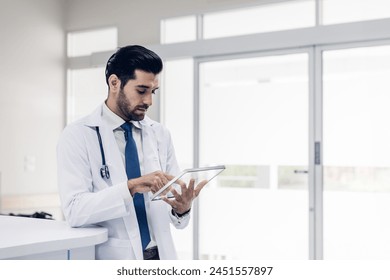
(198,174)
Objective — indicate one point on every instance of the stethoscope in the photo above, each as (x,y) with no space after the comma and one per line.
(104,171)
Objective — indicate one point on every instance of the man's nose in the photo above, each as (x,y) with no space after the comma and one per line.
(148,99)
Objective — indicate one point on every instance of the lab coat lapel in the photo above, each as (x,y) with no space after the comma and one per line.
(151,164)
(150,149)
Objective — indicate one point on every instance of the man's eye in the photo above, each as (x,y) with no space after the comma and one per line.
(141,91)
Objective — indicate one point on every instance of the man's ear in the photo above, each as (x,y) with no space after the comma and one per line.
(114,83)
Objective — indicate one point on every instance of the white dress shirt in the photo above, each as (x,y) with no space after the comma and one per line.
(115,122)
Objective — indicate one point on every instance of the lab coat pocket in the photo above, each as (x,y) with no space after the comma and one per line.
(115,249)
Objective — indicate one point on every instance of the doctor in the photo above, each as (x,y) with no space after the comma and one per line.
(106,180)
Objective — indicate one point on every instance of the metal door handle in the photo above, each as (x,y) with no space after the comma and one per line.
(301,171)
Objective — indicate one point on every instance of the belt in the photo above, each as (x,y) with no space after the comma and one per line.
(151,253)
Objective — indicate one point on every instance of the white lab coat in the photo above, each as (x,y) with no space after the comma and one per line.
(88,199)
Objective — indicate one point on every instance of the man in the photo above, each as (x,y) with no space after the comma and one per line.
(111,161)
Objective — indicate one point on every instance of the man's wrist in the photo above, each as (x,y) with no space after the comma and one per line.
(132,187)
(180,215)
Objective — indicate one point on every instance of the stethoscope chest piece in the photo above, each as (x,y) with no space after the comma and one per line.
(105,172)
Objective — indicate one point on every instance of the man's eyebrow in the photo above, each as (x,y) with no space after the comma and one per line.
(146,87)
(143,86)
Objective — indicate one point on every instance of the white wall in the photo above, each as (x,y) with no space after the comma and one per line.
(32,90)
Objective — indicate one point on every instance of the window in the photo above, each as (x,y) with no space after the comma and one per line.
(264,18)
(356,153)
(86,87)
(270,17)
(177,100)
(175,30)
(177,104)
(341,11)
(82,43)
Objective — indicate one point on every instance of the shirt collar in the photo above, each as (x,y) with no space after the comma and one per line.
(113,120)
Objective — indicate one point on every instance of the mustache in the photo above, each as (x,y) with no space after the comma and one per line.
(146,107)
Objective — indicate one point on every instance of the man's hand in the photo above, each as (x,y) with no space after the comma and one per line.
(183,202)
(150,182)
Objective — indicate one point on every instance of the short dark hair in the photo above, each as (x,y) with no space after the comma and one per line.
(126,60)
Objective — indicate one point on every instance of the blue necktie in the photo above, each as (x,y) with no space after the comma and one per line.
(133,171)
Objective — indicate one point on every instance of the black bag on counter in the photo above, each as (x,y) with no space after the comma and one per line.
(39,215)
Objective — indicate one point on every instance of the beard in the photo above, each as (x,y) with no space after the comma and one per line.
(127,111)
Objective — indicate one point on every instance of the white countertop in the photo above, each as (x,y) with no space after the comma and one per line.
(21,236)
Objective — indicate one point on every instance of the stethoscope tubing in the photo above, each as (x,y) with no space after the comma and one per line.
(104,171)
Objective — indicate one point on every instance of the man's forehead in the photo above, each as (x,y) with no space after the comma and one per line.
(145,80)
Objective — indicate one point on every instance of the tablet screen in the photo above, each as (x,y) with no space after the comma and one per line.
(198,174)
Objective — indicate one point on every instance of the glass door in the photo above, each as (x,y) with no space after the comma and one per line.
(254,118)
(356,139)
